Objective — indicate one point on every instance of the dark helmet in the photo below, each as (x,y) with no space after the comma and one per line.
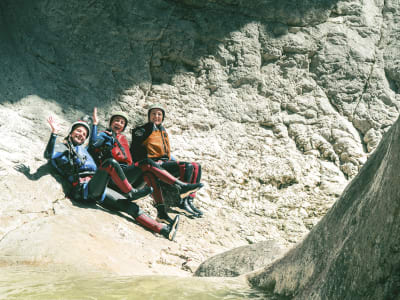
(80,123)
(119,114)
(154,106)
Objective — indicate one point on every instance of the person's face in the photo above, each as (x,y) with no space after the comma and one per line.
(79,135)
(156,116)
(118,124)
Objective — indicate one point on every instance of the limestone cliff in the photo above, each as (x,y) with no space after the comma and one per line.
(353,252)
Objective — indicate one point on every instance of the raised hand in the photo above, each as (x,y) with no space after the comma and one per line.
(95,119)
(55,127)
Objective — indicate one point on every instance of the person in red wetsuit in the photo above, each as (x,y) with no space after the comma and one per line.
(151,141)
(113,143)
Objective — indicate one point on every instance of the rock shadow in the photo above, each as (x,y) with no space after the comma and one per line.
(47,169)
(79,53)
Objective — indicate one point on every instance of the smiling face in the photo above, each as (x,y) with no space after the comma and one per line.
(118,124)
(156,116)
(79,135)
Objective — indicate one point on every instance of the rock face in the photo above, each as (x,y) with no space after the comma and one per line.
(240,260)
(280,101)
(354,251)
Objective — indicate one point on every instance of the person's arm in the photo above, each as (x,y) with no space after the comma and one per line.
(49,152)
(138,151)
(97,139)
(93,136)
(166,142)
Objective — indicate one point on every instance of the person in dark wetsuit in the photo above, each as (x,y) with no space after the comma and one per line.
(151,141)
(89,183)
(113,143)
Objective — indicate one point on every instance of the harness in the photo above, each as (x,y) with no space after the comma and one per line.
(114,135)
(72,154)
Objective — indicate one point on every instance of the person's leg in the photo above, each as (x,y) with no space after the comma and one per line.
(133,173)
(172,166)
(196,176)
(115,201)
(147,165)
(152,181)
(181,169)
(184,171)
(168,231)
(110,169)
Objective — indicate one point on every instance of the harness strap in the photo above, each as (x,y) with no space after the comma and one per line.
(119,145)
(71,154)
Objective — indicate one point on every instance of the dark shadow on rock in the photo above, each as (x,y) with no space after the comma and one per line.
(48,169)
(45,169)
(40,172)
(170,194)
(79,53)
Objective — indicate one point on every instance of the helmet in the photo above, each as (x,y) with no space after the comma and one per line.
(154,106)
(118,114)
(80,123)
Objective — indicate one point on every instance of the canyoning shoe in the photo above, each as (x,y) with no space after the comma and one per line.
(169,231)
(183,207)
(194,208)
(136,194)
(188,188)
(162,217)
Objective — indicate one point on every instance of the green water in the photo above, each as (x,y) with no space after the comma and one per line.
(33,283)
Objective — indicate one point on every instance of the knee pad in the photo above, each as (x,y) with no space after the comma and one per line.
(109,162)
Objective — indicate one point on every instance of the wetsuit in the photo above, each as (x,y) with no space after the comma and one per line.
(152,142)
(90,183)
(116,146)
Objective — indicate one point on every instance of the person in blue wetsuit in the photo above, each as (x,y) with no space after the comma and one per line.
(89,182)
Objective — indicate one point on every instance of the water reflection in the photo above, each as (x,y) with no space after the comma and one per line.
(24,282)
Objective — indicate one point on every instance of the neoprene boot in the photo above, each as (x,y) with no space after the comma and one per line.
(184,207)
(136,194)
(186,189)
(169,231)
(162,215)
(193,207)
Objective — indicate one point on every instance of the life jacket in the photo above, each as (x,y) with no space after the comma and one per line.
(121,150)
(73,162)
(150,141)
(157,144)
(117,144)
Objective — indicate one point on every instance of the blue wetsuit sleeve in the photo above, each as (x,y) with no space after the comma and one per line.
(49,152)
(93,137)
(101,139)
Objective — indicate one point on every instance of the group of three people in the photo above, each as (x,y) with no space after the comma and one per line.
(108,161)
